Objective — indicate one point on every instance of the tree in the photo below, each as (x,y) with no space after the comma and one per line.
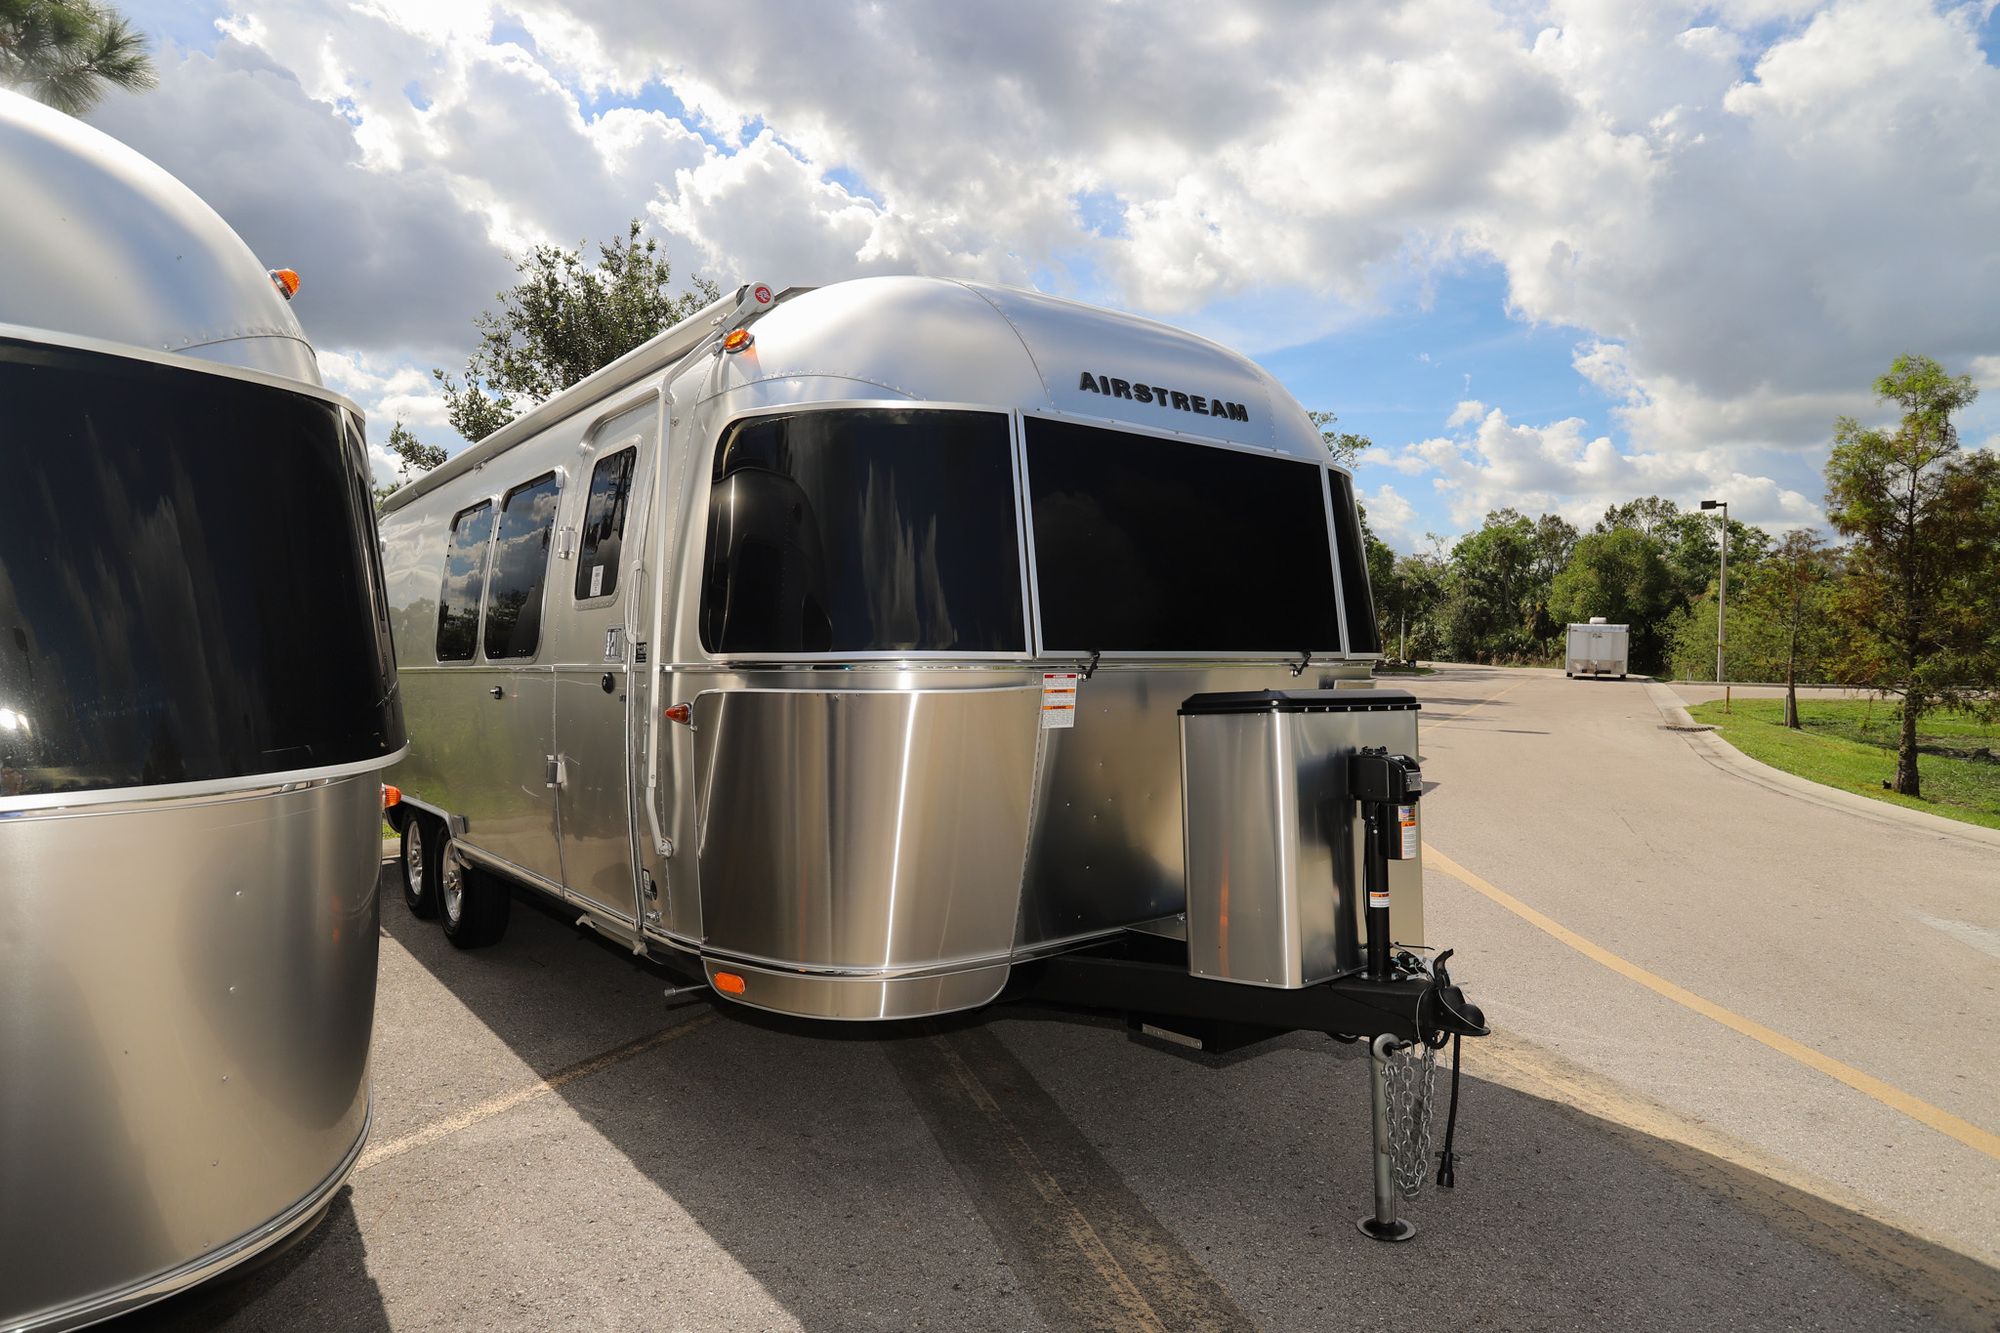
(1344,445)
(561,321)
(1408,601)
(1688,542)
(1492,592)
(1918,603)
(416,455)
(1789,588)
(1622,576)
(66,53)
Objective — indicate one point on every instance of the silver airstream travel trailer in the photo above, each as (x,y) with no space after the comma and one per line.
(196,699)
(889,648)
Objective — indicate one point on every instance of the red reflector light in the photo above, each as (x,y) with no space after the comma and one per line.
(681,713)
(391,796)
(736,340)
(729,983)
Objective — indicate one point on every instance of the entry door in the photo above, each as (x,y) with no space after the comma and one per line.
(593,705)
(515,817)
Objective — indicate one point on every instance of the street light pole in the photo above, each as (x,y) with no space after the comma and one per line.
(1721,597)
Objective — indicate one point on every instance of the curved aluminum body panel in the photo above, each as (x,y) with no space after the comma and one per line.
(941,341)
(186,997)
(863,834)
(98,242)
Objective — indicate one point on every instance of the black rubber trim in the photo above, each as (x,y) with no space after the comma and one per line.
(1299,701)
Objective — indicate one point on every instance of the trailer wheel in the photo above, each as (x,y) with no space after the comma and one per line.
(420,866)
(473,905)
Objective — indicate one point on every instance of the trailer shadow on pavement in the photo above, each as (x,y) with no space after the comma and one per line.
(1011,1169)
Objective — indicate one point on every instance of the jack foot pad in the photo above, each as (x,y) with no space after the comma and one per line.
(1399,1230)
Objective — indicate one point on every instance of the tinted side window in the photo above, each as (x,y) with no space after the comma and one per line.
(604,525)
(520,564)
(464,581)
(1363,634)
(877,530)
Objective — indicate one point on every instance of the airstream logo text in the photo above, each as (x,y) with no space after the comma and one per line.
(1153,393)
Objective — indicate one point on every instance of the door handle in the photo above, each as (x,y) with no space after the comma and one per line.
(497,692)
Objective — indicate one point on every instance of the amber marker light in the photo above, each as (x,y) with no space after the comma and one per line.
(729,983)
(736,340)
(286,281)
(391,796)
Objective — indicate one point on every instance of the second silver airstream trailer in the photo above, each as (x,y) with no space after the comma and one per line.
(196,699)
(889,648)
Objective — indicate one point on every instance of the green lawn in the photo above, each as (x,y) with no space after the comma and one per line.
(1851,744)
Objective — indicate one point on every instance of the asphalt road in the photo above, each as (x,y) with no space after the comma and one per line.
(1746,1057)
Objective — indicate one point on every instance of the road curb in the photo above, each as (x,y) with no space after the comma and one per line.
(1709,744)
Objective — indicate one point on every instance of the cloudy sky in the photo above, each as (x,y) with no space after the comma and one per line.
(1545,255)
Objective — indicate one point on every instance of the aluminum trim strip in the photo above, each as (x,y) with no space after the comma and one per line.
(11,806)
(172,360)
(946,967)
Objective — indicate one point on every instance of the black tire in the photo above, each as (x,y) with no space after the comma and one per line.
(420,865)
(473,905)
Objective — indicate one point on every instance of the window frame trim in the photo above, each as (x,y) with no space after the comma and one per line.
(485,571)
(1339,573)
(599,456)
(698,536)
(1042,648)
(560,475)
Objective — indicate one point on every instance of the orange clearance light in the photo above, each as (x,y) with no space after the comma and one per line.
(736,340)
(287,282)
(729,983)
(681,713)
(391,796)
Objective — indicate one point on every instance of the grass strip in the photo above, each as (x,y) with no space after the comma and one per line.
(1851,744)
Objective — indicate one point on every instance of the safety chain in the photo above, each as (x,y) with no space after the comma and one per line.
(1410,1074)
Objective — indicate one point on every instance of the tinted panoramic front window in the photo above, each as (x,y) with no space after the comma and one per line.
(863,531)
(464,583)
(1363,635)
(1144,544)
(520,563)
(604,525)
(189,584)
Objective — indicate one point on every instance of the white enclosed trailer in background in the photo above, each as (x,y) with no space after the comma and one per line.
(197,695)
(1598,649)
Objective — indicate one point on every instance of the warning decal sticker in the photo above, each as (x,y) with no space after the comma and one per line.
(1059,699)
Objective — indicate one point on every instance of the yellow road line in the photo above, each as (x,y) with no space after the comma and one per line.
(1944,1122)
(1438,722)
(507,1101)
